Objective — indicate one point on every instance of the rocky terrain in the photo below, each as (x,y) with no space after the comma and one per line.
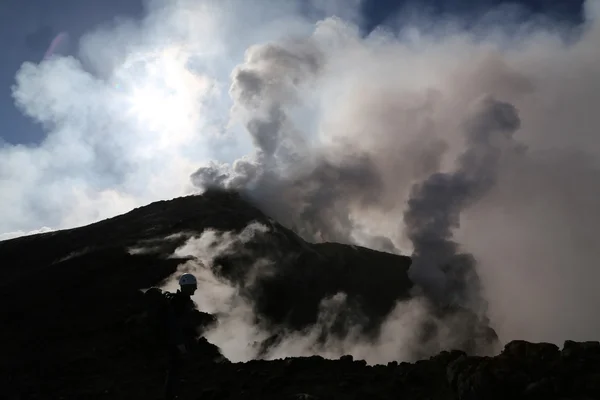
(71,303)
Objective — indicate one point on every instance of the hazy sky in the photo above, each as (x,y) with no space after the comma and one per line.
(27,28)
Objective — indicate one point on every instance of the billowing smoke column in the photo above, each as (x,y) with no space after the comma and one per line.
(305,187)
(314,189)
(435,206)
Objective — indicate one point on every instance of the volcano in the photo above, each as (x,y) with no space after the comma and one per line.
(70,302)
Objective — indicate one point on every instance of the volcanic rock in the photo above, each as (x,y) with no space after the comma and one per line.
(71,304)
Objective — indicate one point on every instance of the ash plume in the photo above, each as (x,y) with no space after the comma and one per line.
(435,205)
(298,184)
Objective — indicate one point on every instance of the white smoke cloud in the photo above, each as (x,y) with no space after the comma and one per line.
(241,331)
(398,117)
(329,131)
(142,107)
(16,234)
(237,326)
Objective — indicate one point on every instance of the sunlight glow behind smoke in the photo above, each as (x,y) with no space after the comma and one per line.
(163,94)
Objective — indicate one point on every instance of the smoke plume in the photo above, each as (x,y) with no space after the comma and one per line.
(435,206)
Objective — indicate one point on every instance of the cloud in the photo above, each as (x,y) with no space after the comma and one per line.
(401,113)
(332,133)
(128,119)
(16,234)
(236,272)
(216,294)
(435,205)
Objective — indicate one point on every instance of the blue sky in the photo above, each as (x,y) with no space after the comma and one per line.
(28,26)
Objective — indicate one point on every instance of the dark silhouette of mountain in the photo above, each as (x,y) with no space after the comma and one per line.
(71,303)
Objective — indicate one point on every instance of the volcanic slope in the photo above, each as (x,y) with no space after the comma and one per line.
(69,302)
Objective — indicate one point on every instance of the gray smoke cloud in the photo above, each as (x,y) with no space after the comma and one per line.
(435,206)
(299,185)
(341,137)
(432,152)
(243,334)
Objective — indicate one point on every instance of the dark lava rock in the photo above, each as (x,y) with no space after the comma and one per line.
(71,307)
(573,349)
(347,358)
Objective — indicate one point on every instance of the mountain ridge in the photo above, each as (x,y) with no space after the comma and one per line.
(71,301)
